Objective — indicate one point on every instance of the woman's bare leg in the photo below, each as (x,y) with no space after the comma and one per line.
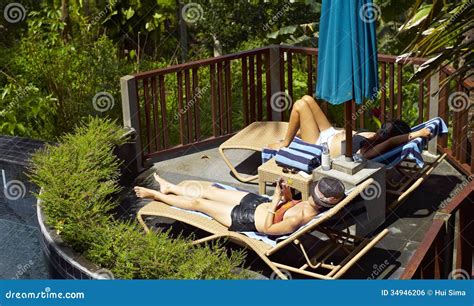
(303,121)
(211,193)
(318,114)
(217,210)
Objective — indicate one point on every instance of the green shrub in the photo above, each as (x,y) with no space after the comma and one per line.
(79,178)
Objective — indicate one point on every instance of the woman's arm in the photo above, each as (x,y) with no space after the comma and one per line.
(288,225)
(393,142)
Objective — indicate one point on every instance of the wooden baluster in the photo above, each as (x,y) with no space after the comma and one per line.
(164,115)
(383,92)
(245,98)
(268,81)
(212,71)
(228,90)
(421,97)
(182,138)
(147,115)
(282,80)
(399,90)
(259,88)
(156,126)
(189,115)
(309,67)
(443,111)
(220,89)
(196,99)
(464,126)
(252,88)
(392,90)
(289,59)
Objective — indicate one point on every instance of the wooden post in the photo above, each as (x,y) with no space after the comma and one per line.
(275,72)
(433,110)
(131,119)
(348,128)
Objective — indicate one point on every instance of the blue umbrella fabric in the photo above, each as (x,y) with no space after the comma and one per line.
(347,56)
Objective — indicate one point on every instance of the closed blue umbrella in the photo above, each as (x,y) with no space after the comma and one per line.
(347,56)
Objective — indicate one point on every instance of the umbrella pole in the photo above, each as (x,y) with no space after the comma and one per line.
(348,128)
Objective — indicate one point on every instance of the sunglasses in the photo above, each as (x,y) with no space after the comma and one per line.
(290,170)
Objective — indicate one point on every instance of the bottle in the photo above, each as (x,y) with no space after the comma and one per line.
(325,157)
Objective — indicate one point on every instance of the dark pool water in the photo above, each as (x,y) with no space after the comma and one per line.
(20,247)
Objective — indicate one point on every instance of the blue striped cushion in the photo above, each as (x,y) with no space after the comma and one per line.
(288,157)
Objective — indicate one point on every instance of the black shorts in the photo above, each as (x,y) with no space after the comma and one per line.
(243,215)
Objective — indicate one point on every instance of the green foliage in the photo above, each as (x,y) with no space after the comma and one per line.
(25,111)
(79,184)
(442,32)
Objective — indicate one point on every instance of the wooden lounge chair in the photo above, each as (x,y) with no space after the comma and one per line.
(354,247)
(253,137)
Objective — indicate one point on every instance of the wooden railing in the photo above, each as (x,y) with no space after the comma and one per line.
(186,106)
(446,251)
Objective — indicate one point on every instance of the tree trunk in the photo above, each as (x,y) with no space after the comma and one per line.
(66,19)
(183,32)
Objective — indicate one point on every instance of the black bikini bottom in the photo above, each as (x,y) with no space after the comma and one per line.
(243,215)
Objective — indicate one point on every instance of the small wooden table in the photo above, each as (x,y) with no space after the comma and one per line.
(269,172)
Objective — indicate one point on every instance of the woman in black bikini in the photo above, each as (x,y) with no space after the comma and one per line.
(244,211)
(308,122)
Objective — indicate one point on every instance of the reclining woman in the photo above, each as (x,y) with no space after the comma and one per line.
(308,122)
(248,212)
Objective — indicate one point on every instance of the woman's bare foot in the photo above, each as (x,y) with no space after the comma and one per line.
(277,145)
(142,192)
(165,186)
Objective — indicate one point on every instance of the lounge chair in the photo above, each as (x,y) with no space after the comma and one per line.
(406,159)
(253,137)
(355,247)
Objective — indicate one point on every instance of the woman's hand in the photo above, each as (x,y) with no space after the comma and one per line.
(425,132)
